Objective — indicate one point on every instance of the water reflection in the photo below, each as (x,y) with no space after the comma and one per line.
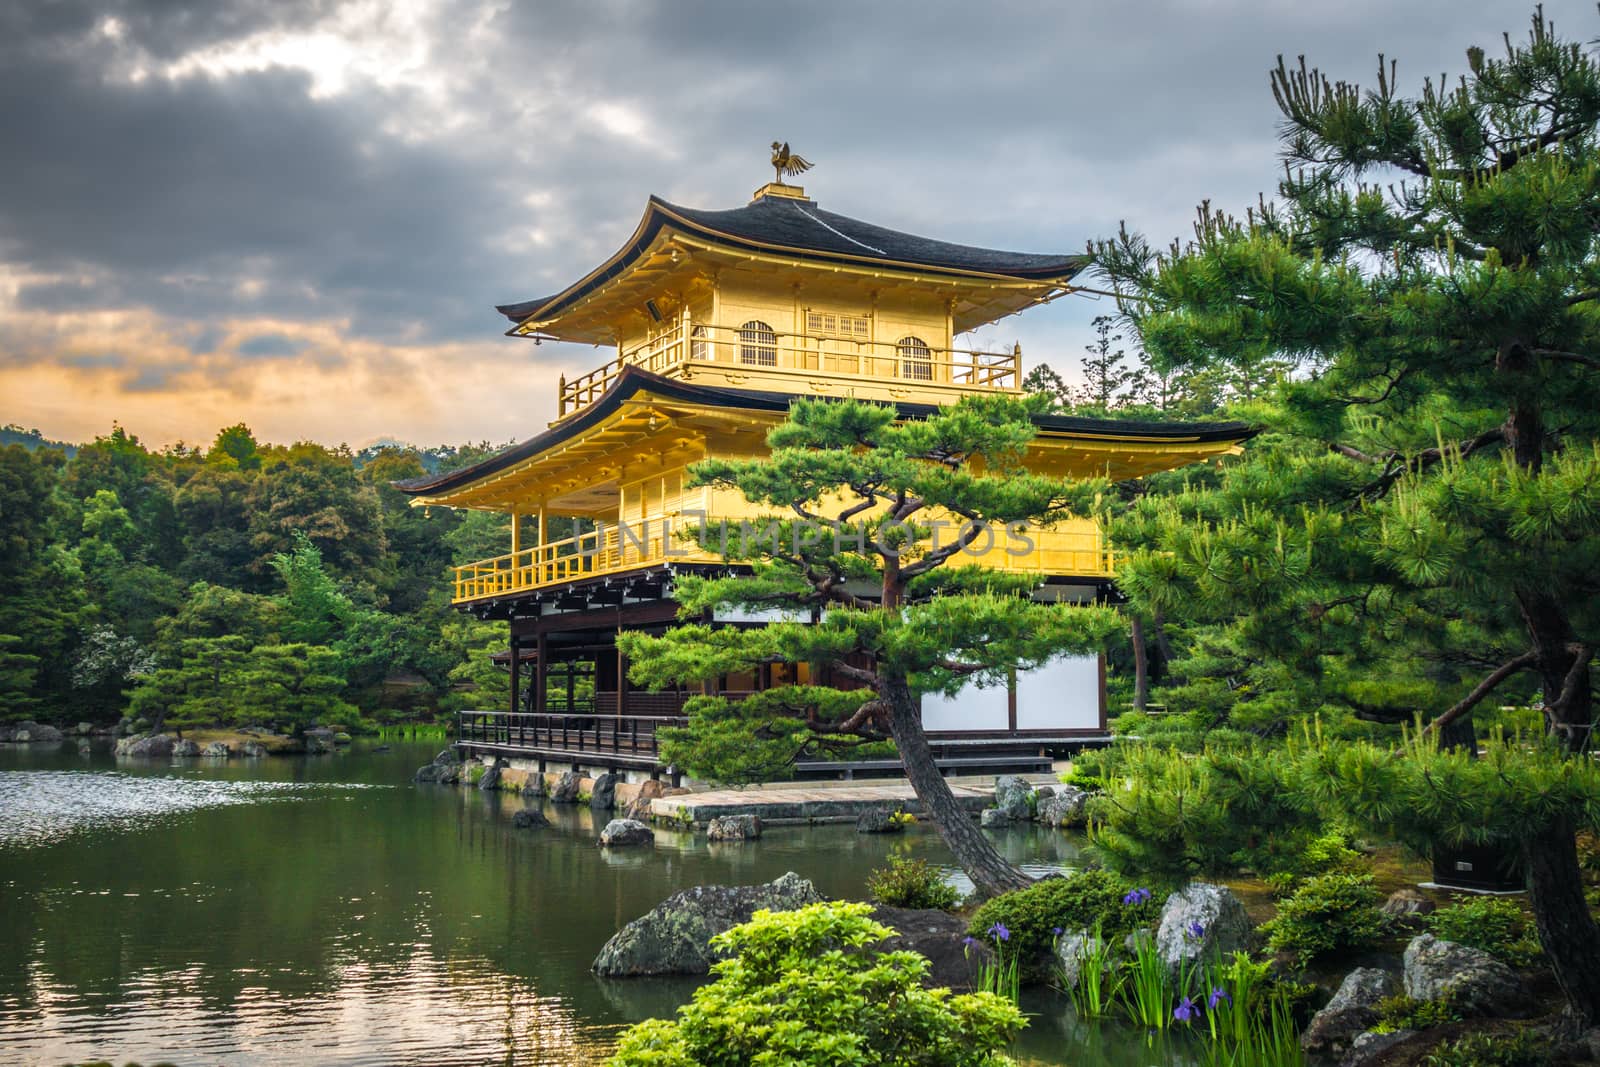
(291,911)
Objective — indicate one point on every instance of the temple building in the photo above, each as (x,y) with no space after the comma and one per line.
(717,321)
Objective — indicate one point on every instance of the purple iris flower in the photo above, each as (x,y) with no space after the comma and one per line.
(1055,931)
(999,932)
(969,941)
(1186,1011)
(1195,930)
(1218,994)
(1138,896)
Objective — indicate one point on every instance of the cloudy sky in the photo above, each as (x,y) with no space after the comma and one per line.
(298,213)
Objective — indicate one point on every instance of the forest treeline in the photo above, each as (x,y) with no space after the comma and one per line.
(276,583)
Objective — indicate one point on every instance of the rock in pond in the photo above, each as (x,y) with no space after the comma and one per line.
(639,807)
(256,750)
(566,789)
(491,777)
(216,750)
(940,937)
(1352,1011)
(620,833)
(445,768)
(1072,951)
(879,821)
(534,786)
(674,937)
(603,797)
(30,732)
(185,748)
(1475,982)
(1014,796)
(1067,807)
(153,746)
(995,819)
(528,819)
(1199,920)
(734,828)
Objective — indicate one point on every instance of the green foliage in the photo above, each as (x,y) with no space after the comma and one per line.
(1401,1012)
(807,987)
(1498,926)
(1526,1047)
(911,883)
(1328,914)
(1080,901)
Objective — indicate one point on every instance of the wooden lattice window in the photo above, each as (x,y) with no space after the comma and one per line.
(699,343)
(832,324)
(916,359)
(758,344)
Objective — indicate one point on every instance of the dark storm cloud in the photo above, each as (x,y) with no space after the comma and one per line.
(523,153)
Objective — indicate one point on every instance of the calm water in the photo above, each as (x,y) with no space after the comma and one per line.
(325,911)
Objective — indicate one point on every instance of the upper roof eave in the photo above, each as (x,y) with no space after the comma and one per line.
(766,225)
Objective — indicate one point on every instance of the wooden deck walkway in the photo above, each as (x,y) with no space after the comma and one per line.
(809,803)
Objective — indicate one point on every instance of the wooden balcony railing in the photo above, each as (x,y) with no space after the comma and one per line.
(800,354)
(607,550)
(617,735)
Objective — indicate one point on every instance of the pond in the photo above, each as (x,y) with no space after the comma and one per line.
(322,910)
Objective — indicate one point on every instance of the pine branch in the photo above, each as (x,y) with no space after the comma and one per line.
(1567,357)
(1483,689)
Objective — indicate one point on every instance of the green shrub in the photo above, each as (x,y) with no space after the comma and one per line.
(1076,902)
(1328,913)
(1498,926)
(806,987)
(1525,1048)
(1403,1013)
(911,884)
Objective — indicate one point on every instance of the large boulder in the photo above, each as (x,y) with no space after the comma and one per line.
(534,786)
(1474,982)
(216,750)
(256,750)
(566,790)
(674,937)
(1014,796)
(151,746)
(1066,807)
(1367,1048)
(603,797)
(1201,920)
(1352,1011)
(445,768)
(185,747)
(621,833)
(734,828)
(879,821)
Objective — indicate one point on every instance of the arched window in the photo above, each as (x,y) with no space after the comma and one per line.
(916,361)
(699,344)
(758,343)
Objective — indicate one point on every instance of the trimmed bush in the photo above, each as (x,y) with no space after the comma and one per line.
(806,987)
(1498,926)
(1076,902)
(911,884)
(1327,914)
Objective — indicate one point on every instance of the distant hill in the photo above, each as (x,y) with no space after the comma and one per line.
(12,434)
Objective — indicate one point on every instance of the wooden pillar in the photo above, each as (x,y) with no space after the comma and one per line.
(516,672)
(516,535)
(622,681)
(541,672)
(572,673)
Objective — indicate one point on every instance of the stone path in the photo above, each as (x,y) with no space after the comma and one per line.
(807,803)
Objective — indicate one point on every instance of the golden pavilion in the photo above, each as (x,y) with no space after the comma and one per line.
(717,321)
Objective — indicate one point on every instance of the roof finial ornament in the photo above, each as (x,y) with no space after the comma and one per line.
(787,163)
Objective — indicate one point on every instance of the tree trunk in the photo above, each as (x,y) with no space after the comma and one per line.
(990,873)
(1566,930)
(1141,662)
(1163,645)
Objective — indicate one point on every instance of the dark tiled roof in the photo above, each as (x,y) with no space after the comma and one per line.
(632,380)
(801,228)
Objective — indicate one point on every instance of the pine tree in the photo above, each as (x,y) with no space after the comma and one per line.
(1432,266)
(856,495)
(1106,379)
